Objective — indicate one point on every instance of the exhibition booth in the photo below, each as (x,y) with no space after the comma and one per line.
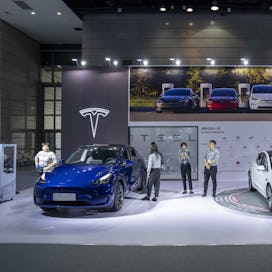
(116,106)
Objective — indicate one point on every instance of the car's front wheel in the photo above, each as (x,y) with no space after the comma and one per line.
(269,197)
(250,186)
(118,198)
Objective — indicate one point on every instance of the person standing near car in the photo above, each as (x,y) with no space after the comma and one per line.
(211,159)
(153,173)
(185,167)
(45,160)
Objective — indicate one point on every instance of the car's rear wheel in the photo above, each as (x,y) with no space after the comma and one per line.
(250,186)
(269,197)
(118,198)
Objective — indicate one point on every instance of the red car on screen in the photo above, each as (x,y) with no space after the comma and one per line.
(222,99)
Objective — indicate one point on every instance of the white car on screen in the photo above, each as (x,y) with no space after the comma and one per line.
(260,176)
(261,97)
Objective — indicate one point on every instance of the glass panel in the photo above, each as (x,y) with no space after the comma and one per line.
(49,93)
(58,93)
(58,153)
(9,153)
(50,138)
(58,122)
(58,107)
(19,139)
(168,140)
(30,140)
(48,122)
(17,121)
(48,107)
(31,122)
(58,140)
(57,76)
(46,74)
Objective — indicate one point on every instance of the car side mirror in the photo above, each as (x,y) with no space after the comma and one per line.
(260,168)
(127,163)
(61,162)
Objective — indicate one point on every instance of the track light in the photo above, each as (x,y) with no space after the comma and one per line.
(162,8)
(244,61)
(214,6)
(115,62)
(189,9)
(83,62)
(177,62)
(145,62)
(210,61)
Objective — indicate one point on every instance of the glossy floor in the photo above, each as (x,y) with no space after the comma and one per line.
(175,219)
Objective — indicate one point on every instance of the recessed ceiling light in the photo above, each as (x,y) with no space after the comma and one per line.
(33,12)
(162,8)
(214,6)
(59,13)
(189,9)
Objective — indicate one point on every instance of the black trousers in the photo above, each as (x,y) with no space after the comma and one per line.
(207,174)
(186,170)
(154,179)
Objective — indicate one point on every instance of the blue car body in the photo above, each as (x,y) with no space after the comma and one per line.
(99,182)
(177,99)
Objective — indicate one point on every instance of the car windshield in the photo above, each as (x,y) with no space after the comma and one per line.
(223,92)
(178,92)
(95,155)
(262,89)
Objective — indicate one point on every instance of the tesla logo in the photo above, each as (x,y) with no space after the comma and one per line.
(94,114)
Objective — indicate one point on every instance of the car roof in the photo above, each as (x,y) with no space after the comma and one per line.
(262,86)
(179,89)
(101,145)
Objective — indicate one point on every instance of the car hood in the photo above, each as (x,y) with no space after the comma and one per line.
(77,174)
(172,98)
(222,98)
(262,96)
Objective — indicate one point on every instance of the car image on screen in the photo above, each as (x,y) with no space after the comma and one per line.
(177,99)
(260,176)
(94,176)
(223,99)
(260,97)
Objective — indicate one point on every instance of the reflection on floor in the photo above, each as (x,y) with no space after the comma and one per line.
(175,219)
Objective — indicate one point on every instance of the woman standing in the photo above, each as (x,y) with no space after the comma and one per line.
(153,173)
(185,167)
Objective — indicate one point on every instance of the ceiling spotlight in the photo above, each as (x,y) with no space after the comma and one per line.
(115,62)
(270,8)
(33,12)
(184,7)
(59,13)
(244,61)
(177,62)
(83,62)
(145,62)
(212,62)
(75,60)
(189,9)
(228,10)
(172,7)
(162,8)
(119,9)
(214,6)
(107,59)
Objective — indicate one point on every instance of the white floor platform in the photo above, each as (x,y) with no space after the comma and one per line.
(175,219)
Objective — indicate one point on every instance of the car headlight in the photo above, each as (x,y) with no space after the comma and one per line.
(103,180)
(254,98)
(209,101)
(159,101)
(42,178)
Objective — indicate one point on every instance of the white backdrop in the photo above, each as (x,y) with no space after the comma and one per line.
(238,143)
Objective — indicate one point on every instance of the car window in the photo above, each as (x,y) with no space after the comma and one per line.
(264,162)
(125,156)
(223,92)
(262,89)
(133,154)
(178,92)
(259,159)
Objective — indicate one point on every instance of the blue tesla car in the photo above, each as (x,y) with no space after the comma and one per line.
(177,99)
(94,176)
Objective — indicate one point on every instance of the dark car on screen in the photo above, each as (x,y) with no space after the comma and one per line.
(177,99)
(94,176)
(223,99)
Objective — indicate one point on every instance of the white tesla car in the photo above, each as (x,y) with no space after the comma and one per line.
(261,97)
(260,176)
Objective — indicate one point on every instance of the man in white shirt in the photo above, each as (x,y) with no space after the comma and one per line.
(45,160)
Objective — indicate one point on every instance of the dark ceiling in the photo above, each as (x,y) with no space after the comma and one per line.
(81,7)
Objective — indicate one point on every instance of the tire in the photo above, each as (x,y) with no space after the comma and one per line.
(48,209)
(118,198)
(269,197)
(250,186)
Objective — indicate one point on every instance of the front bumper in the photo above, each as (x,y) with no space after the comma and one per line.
(260,105)
(99,197)
(175,106)
(222,106)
